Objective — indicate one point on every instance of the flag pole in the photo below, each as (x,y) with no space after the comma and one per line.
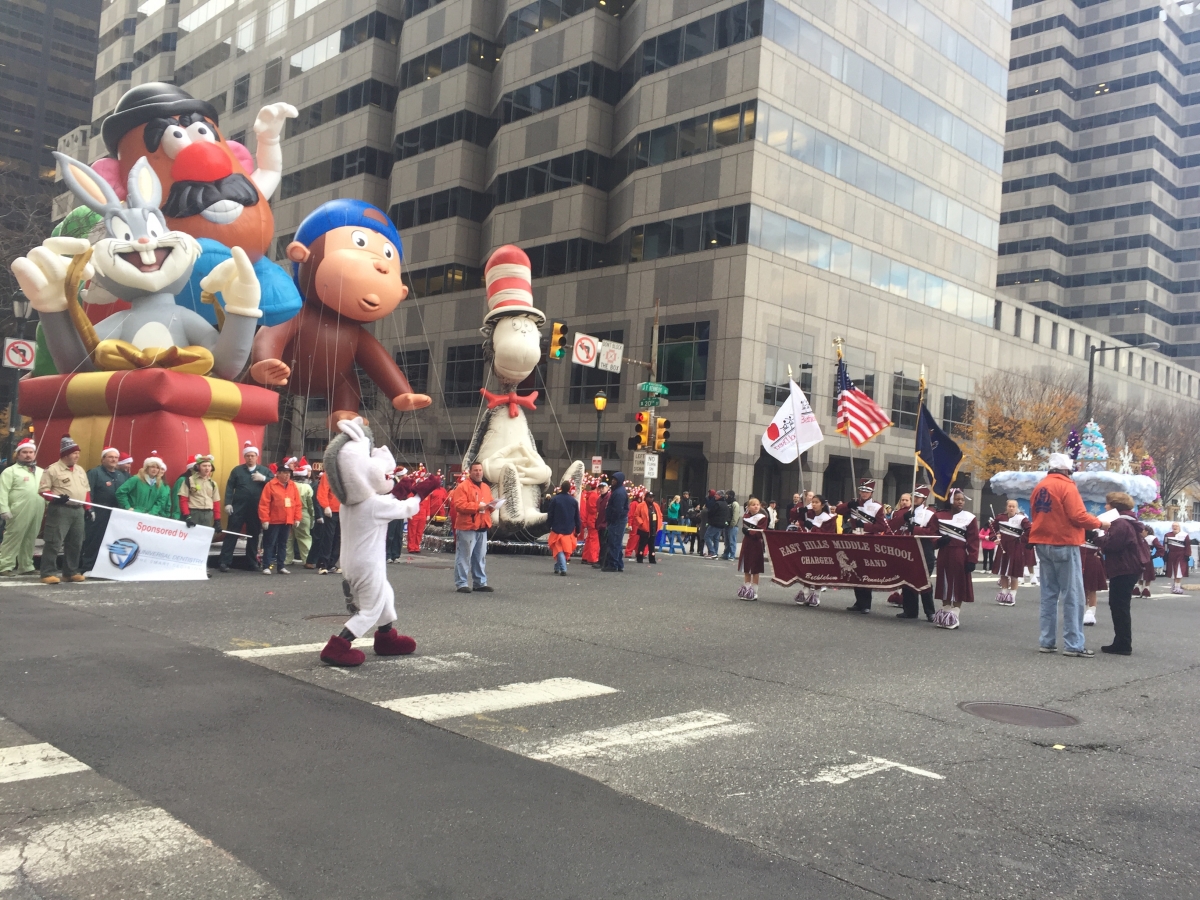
(796,419)
(837,344)
(920,407)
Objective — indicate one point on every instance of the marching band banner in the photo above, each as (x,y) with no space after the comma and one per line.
(881,562)
(138,547)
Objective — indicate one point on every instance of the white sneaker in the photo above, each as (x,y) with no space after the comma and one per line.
(284,571)
(1089,616)
(267,570)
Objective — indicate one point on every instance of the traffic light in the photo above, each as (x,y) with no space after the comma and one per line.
(642,430)
(661,433)
(558,340)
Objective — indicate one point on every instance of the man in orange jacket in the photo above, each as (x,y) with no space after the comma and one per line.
(587,514)
(1057,531)
(328,509)
(471,512)
(279,510)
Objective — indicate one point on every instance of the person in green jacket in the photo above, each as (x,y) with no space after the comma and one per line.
(148,491)
(302,533)
(21,507)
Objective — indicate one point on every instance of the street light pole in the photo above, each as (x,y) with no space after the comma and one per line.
(1092,351)
(599,401)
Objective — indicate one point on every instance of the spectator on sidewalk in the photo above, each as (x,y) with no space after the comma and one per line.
(471,505)
(617,516)
(735,523)
(329,552)
(22,507)
(1057,531)
(103,481)
(63,531)
(604,495)
(243,489)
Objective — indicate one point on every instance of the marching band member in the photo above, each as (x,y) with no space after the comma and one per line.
(1156,550)
(895,524)
(1179,556)
(862,516)
(817,518)
(750,559)
(1093,575)
(909,521)
(958,553)
(1014,553)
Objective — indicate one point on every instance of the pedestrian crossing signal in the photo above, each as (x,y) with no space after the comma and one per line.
(661,433)
(558,340)
(642,430)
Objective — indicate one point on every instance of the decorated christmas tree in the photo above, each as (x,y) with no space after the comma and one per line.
(1073,444)
(1093,454)
(1151,510)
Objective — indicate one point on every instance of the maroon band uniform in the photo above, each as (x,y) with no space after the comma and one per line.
(1179,554)
(1014,553)
(960,529)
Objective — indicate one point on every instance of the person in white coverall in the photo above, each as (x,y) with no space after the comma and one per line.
(22,508)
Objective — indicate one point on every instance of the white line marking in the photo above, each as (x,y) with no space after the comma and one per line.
(419,663)
(287,649)
(649,736)
(872,765)
(36,761)
(432,707)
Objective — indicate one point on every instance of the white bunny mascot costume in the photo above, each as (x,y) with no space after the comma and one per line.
(360,477)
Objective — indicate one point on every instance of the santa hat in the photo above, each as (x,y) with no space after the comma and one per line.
(291,463)
(509,280)
(303,469)
(108,450)
(154,459)
(274,468)
(27,442)
(249,447)
(923,491)
(191,461)
(67,445)
(125,461)
(866,485)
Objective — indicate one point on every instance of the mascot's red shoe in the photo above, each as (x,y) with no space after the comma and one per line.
(340,652)
(393,643)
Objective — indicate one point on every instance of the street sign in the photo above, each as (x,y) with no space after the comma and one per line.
(597,465)
(639,461)
(18,353)
(647,402)
(587,348)
(651,466)
(653,387)
(610,356)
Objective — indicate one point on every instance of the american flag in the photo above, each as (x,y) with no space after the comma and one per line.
(858,416)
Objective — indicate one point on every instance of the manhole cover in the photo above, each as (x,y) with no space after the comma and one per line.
(1013,714)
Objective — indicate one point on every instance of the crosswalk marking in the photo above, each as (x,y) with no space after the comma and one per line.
(871,765)
(286,649)
(29,761)
(623,741)
(432,707)
(442,663)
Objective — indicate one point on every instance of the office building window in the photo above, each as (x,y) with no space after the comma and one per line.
(364,161)
(587,80)
(454,449)
(411,448)
(585,450)
(273,77)
(1070,341)
(465,374)
(787,348)
(1037,329)
(415,366)
(683,360)
(906,398)
(1016,323)
(466,50)
(1053,335)
(446,279)
(241,93)
(463,125)
(585,381)
(957,405)
(997,315)
(451,203)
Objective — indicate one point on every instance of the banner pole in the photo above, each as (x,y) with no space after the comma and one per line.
(47,495)
(796,419)
(920,408)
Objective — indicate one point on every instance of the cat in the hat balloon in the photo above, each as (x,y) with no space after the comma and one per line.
(502,441)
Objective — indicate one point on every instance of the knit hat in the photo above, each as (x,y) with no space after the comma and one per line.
(203,458)
(866,485)
(1061,461)
(249,447)
(509,280)
(154,459)
(67,445)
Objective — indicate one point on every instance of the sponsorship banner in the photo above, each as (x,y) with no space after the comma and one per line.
(138,547)
(881,562)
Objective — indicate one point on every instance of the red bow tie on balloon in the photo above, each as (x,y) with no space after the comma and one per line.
(512,398)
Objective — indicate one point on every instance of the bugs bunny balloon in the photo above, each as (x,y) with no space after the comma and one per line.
(145,264)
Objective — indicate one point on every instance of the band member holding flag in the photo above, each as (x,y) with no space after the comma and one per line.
(908,521)
(957,532)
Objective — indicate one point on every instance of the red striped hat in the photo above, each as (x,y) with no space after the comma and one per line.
(510,285)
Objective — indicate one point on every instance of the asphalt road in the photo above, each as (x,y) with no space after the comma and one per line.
(640,735)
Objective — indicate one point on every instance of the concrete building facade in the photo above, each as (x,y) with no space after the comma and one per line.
(774,173)
(1100,207)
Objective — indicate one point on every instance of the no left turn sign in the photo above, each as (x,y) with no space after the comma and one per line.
(587,348)
(18,354)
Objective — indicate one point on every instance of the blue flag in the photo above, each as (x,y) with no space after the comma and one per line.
(937,454)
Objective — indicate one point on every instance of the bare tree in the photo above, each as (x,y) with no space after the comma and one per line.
(1169,433)
(25,205)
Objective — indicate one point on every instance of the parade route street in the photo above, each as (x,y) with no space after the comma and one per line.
(643,735)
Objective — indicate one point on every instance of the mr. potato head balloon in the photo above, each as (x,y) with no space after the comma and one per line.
(213,189)
(346,262)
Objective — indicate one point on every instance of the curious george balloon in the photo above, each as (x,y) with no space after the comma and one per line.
(346,260)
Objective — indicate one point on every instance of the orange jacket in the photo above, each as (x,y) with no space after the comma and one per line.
(587,508)
(280,505)
(1059,516)
(465,502)
(326,497)
(639,516)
